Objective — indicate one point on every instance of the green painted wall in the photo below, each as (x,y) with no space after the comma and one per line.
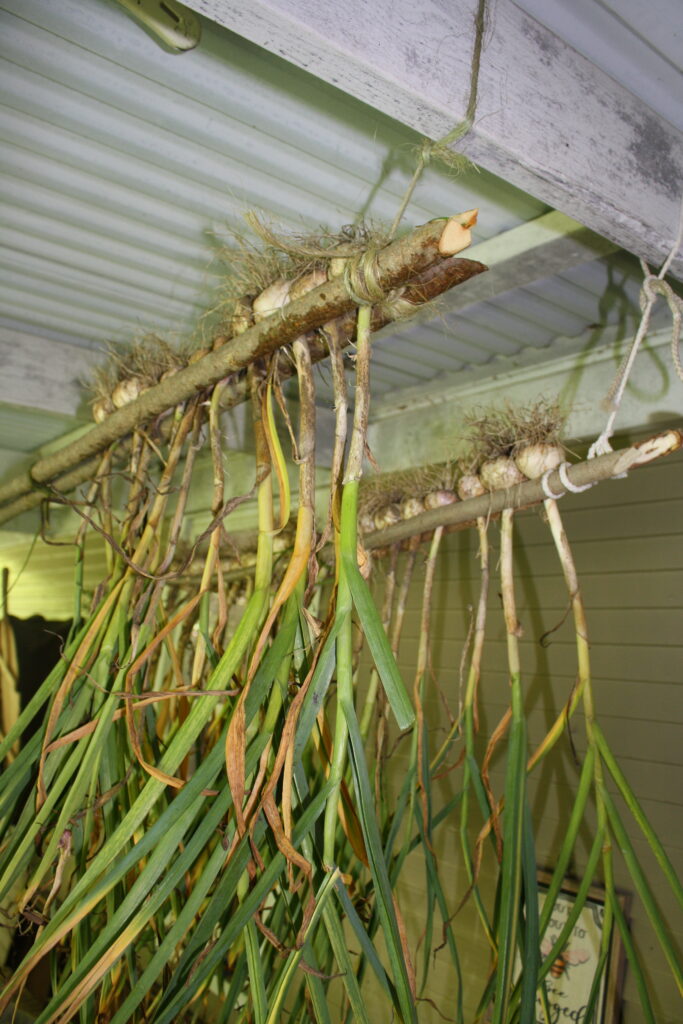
(628,544)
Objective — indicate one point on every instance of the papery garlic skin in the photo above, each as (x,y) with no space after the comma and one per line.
(198,354)
(501,473)
(274,297)
(305,284)
(336,267)
(439,499)
(364,561)
(101,408)
(470,486)
(537,459)
(366,523)
(242,315)
(388,516)
(127,390)
(411,507)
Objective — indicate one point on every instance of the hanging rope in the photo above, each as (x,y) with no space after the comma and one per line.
(440,148)
(653,287)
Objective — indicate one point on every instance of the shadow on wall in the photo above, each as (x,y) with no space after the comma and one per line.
(39,647)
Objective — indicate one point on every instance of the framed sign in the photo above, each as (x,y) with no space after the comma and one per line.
(569,980)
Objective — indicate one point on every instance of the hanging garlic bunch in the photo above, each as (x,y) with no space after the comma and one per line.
(514,444)
(133,370)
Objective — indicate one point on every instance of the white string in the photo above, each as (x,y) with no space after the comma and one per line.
(545,484)
(566,482)
(653,286)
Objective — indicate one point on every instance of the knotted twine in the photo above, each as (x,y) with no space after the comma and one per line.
(653,286)
(440,148)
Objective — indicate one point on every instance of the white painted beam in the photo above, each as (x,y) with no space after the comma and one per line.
(637,44)
(548,120)
(427,424)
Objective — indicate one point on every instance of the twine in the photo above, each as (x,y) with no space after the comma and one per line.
(566,482)
(545,485)
(653,286)
(439,149)
(361,278)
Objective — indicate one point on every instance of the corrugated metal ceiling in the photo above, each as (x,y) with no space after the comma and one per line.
(125,167)
(580,303)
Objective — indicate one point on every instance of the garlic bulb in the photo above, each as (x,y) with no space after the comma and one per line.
(101,408)
(127,390)
(242,315)
(388,516)
(274,297)
(437,499)
(306,284)
(470,486)
(537,459)
(500,473)
(366,523)
(411,507)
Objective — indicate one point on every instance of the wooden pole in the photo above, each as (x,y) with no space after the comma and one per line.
(414,261)
(465,513)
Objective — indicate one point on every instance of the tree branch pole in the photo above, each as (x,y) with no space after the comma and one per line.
(420,262)
(466,513)
(592,471)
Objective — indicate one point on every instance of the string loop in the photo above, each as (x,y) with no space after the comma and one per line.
(566,482)
(653,286)
(545,484)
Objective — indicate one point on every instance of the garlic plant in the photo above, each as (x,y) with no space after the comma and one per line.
(200,812)
(199,830)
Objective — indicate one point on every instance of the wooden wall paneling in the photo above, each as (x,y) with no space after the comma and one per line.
(627,541)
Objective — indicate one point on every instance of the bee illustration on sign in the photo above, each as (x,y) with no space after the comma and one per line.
(565,959)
